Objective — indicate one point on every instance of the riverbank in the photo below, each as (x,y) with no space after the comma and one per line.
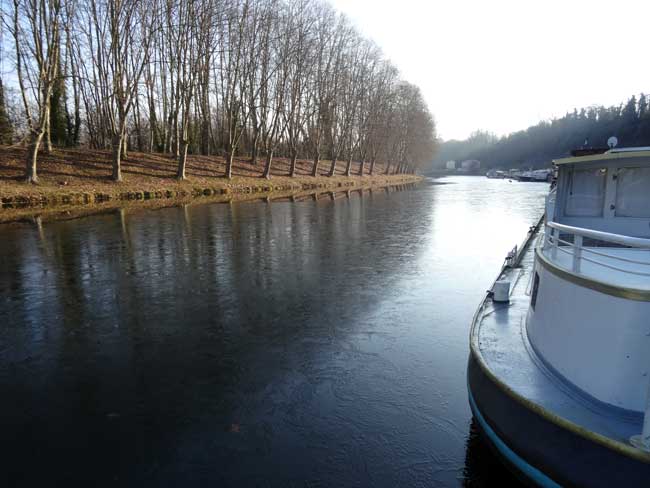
(45,214)
(75,178)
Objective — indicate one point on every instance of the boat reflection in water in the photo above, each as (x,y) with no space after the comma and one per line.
(483,467)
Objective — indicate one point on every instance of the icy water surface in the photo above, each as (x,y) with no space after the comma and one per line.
(311,344)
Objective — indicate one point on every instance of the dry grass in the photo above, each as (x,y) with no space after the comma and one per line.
(84,170)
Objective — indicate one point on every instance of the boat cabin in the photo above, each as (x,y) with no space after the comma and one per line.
(590,291)
(608,192)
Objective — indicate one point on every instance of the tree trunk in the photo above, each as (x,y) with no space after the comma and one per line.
(361,167)
(77,125)
(205,137)
(125,143)
(177,148)
(348,168)
(267,168)
(182,160)
(32,156)
(372,166)
(139,137)
(48,135)
(314,171)
(387,169)
(294,157)
(256,141)
(333,167)
(229,159)
(117,157)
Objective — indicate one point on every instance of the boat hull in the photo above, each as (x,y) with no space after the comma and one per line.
(542,450)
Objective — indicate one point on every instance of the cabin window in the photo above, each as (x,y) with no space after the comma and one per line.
(633,192)
(533,295)
(586,194)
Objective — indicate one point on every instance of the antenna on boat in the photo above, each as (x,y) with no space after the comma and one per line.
(612,142)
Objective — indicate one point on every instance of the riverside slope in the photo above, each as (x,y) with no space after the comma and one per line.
(81,179)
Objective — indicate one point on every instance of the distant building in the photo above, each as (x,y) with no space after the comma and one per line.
(470,165)
(451,165)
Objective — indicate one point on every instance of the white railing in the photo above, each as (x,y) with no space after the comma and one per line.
(554,244)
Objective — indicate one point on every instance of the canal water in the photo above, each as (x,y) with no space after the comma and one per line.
(306,344)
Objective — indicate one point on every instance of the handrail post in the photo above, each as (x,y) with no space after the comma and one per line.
(545,246)
(555,234)
(547,238)
(577,253)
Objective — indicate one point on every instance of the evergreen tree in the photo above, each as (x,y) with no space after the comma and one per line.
(643,129)
(643,106)
(539,144)
(58,112)
(629,113)
(6,128)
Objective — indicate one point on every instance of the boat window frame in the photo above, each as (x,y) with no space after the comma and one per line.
(615,185)
(568,187)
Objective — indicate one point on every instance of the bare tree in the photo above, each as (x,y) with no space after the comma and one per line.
(338,119)
(189,36)
(237,57)
(321,93)
(35,29)
(281,49)
(288,78)
(120,34)
(299,69)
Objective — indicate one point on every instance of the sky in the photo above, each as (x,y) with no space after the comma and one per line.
(503,65)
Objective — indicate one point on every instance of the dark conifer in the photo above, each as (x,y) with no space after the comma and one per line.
(58,112)
(6,127)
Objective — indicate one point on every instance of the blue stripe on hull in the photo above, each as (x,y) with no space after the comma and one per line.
(532,473)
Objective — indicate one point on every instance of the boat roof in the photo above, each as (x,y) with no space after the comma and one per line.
(611,155)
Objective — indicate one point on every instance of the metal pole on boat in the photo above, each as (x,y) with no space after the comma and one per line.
(554,237)
(643,441)
(577,253)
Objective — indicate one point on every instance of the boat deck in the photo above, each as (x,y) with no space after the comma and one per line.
(501,337)
(615,266)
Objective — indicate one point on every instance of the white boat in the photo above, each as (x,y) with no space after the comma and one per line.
(558,373)
(495,174)
(537,175)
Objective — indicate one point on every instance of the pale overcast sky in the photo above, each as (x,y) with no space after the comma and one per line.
(502,65)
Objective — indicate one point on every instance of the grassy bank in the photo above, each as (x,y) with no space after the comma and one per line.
(81,178)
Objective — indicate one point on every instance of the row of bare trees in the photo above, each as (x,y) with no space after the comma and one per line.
(262,78)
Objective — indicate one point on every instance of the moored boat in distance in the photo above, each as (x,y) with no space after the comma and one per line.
(560,347)
(496,174)
(538,175)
